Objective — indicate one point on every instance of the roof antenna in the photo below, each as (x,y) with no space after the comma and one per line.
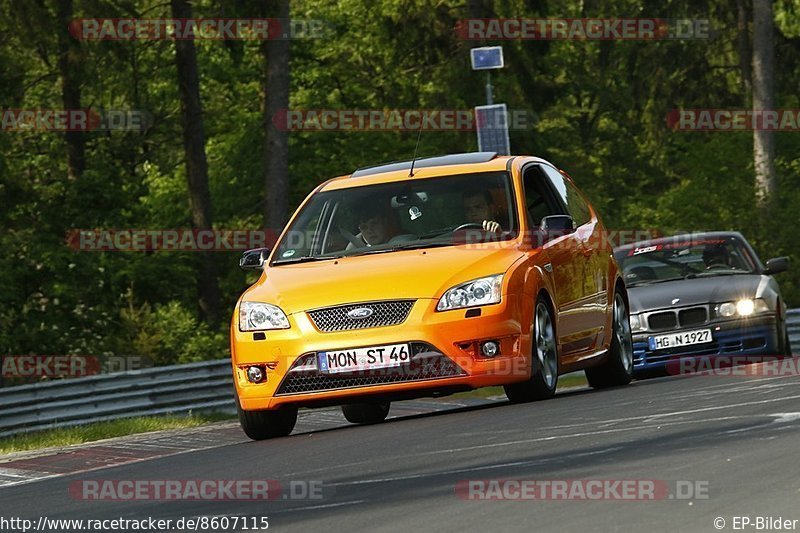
(414,160)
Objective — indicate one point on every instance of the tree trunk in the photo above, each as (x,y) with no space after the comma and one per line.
(196,164)
(276,143)
(763,98)
(69,66)
(743,48)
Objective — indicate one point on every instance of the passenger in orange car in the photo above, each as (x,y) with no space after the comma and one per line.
(479,208)
(377,224)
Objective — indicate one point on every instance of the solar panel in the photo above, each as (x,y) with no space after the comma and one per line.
(487,57)
(491,124)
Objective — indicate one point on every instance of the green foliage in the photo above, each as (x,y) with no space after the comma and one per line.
(169,334)
(601,111)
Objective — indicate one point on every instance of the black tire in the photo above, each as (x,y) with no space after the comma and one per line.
(782,334)
(786,349)
(544,361)
(617,369)
(366,413)
(267,424)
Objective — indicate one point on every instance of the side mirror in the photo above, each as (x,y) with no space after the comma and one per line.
(776,265)
(558,223)
(554,226)
(254,259)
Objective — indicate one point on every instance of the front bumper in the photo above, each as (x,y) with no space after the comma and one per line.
(444,350)
(751,336)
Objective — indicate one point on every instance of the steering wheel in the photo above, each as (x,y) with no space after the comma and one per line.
(714,266)
(350,237)
(468,225)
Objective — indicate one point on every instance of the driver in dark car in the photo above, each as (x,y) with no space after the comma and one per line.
(716,256)
(479,209)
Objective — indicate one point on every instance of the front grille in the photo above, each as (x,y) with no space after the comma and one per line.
(663,320)
(693,316)
(388,313)
(426,364)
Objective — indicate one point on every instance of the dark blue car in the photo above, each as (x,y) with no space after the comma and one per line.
(702,294)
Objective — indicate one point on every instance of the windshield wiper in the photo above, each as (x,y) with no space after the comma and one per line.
(653,281)
(399,247)
(715,273)
(370,251)
(418,245)
(306,259)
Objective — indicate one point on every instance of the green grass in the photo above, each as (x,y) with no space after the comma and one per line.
(488,392)
(103,430)
(572,381)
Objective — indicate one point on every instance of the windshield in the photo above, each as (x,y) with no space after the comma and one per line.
(684,258)
(413,213)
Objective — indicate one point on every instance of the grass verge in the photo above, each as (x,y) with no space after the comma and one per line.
(103,430)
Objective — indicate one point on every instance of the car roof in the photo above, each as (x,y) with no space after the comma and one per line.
(683,237)
(426,162)
(427,167)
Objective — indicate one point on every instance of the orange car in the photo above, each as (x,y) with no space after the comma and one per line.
(396,282)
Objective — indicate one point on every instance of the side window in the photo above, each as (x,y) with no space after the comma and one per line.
(568,193)
(539,199)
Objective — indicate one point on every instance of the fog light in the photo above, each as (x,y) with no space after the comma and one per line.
(490,348)
(255,374)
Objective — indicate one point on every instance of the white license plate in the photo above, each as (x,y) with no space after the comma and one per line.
(357,359)
(684,338)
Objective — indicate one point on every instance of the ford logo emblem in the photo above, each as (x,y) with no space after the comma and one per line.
(359,312)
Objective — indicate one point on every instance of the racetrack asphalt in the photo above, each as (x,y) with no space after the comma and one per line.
(731,441)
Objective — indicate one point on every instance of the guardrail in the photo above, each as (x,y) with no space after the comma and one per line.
(793,323)
(195,387)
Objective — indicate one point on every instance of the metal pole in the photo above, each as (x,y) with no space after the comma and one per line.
(489,100)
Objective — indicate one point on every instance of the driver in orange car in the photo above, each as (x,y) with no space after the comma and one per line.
(479,209)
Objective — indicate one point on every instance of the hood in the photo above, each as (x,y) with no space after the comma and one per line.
(411,274)
(693,291)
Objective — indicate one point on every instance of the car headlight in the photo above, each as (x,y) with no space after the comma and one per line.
(256,316)
(743,307)
(481,291)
